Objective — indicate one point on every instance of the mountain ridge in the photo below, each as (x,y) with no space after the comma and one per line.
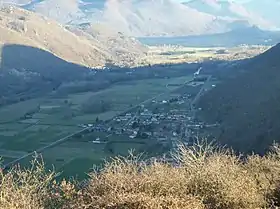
(147,18)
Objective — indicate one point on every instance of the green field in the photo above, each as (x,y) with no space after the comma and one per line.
(30,125)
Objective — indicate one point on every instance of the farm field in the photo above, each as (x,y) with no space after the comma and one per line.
(33,124)
(173,53)
(77,157)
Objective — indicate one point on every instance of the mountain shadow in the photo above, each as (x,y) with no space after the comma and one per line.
(37,60)
(26,70)
(248,105)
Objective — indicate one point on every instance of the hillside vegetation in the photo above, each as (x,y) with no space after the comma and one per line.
(247,106)
(199,177)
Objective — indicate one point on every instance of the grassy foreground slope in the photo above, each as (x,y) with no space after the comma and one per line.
(248,105)
(199,177)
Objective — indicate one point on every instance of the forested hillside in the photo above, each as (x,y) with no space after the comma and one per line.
(248,105)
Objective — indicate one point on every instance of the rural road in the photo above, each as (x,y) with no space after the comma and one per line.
(199,94)
(59,141)
(43,148)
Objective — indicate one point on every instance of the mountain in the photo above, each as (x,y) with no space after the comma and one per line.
(19,26)
(133,18)
(125,51)
(16,2)
(268,9)
(38,55)
(149,18)
(63,10)
(231,9)
(247,105)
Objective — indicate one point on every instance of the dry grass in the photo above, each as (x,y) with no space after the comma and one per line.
(200,177)
(25,188)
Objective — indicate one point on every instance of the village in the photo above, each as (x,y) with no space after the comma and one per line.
(168,119)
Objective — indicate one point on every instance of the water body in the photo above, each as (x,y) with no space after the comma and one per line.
(248,36)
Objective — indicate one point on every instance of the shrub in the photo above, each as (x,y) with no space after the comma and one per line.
(198,177)
(25,188)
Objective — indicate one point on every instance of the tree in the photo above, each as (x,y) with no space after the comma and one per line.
(135,125)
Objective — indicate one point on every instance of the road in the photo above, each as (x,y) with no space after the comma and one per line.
(199,94)
(192,109)
(64,139)
(44,148)
(59,141)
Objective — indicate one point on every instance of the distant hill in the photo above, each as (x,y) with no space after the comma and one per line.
(228,8)
(19,26)
(248,105)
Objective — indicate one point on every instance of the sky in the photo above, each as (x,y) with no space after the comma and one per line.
(241,1)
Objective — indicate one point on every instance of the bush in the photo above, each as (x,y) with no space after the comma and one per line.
(200,176)
(25,188)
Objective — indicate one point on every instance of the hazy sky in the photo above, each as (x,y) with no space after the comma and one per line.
(233,0)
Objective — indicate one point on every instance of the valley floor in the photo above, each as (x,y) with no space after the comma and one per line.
(74,131)
(170,54)
(47,124)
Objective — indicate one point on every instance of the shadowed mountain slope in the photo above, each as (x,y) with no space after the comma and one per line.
(22,78)
(248,105)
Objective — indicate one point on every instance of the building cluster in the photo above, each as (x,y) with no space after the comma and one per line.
(166,120)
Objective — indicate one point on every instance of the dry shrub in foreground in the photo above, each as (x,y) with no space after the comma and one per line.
(25,188)
(266,172)
(219,178)
(127,183)
(200,177)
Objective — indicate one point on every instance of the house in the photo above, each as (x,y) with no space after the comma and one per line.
(162,139)
(96,141)
(154,119)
